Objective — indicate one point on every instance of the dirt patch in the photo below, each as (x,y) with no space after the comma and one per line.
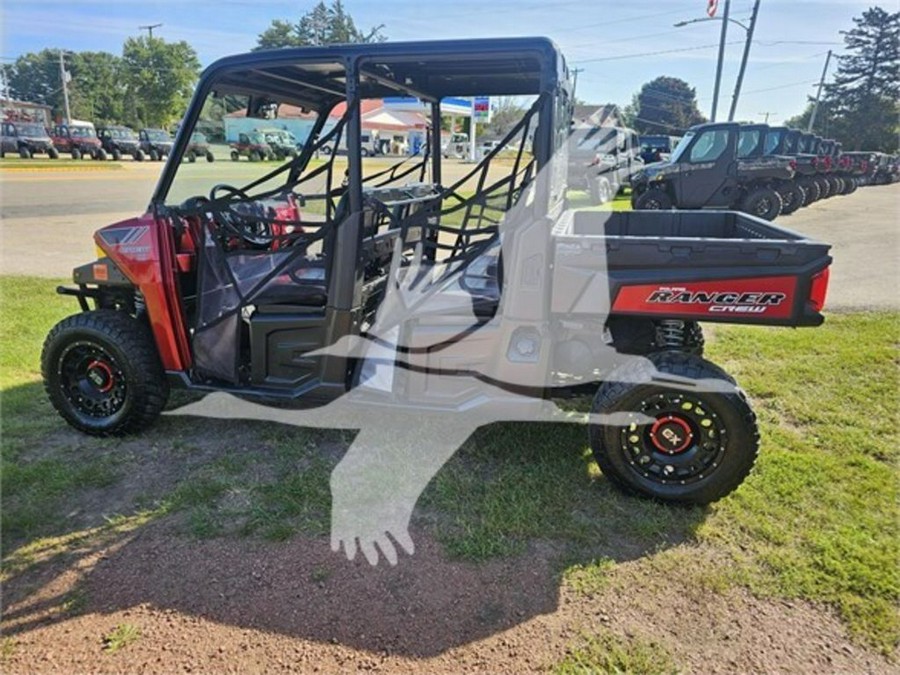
(239,605)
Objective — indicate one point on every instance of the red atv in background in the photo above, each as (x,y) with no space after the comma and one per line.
(253,147)
(78,139)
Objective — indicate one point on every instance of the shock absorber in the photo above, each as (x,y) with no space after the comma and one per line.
(670,334)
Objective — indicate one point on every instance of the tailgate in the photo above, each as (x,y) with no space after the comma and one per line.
(692,265)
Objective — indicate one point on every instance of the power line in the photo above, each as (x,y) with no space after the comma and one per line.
(656,53)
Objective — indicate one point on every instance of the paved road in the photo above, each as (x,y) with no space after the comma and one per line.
(48,219)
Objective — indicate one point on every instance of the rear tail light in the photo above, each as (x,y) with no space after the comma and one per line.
(793,164)
(818,290)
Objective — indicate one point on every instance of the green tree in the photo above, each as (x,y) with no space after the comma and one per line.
(321,25)
(35,77)
(97,91)
(159,77)
(665,105)
(860,104)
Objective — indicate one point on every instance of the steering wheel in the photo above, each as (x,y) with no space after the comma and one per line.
(257,233)
(229,189)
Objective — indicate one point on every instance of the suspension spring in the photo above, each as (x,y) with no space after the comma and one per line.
(670,334)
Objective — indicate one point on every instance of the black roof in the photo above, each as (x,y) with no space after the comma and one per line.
(315,77)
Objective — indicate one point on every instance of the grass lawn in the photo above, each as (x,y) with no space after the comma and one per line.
(816,520)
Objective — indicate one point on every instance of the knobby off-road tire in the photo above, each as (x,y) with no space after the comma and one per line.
(791,199)
(836,185)
(600,190)
(763,202)
(824,187)
(154,155)
(210,157)
(138,155)
(653,200)
(192,157)
(851,185)
(702,443)
(102,373)
(101,155)
(24,153)
(116,155)
(810,191)
(53,153)
(76,154)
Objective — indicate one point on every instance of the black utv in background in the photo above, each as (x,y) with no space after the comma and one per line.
(155,143)
(119,141)
(707,171)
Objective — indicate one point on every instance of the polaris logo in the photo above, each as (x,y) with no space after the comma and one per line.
(719,302)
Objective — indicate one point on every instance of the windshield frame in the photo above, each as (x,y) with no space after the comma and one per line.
(682,146)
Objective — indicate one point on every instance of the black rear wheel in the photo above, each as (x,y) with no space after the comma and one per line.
(810,191)
(76,153)
(102,373)
(791,198)
(116,154)
(24,153)
(690,443)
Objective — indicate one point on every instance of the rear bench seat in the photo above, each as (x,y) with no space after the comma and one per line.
(306,286)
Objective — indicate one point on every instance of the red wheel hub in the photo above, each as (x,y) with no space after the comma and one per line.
(101,375)
(671,434)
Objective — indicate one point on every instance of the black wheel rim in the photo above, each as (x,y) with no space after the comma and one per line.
(91,380)
(763,206)
(683,443)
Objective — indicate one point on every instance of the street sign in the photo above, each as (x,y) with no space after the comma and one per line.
(481,109)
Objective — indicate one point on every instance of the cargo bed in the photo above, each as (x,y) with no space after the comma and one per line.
(691,265)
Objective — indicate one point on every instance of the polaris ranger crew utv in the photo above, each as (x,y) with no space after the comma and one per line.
(251,289)
(708,170)
(79,139)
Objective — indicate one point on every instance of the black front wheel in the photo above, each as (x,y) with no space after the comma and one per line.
(653,199)
(102,373)
(116,154)
(763,202)
(682,432)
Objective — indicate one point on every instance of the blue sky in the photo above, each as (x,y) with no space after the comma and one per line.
(789,48)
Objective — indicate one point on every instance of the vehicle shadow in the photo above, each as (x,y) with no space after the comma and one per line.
(429,603)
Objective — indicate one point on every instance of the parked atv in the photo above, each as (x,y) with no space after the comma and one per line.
(233,289)
(657,148)
(198,147)
(79,139)
(156,143)
(601,160)
(759,143)
(706,171)
(26,139)
(253,146)
(118,141)
(282,142)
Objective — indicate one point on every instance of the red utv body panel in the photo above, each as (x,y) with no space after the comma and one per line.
(144,250)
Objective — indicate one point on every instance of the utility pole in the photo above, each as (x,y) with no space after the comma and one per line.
(575,72)
(64,76)
(721,60)
(766,121)
(740,77)
(815,110)
(149,28)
